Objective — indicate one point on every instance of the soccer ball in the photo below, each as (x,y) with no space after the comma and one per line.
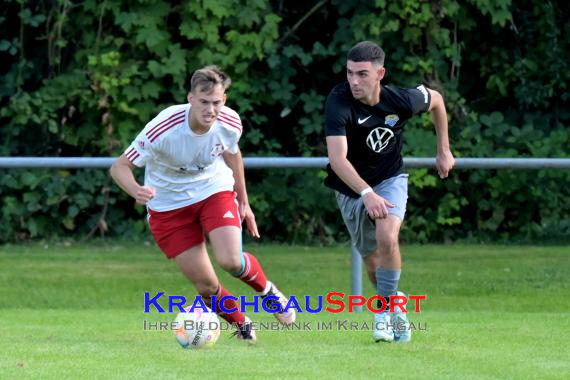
(197,329)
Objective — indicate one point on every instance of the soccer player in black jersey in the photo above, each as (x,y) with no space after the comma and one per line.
(364,126)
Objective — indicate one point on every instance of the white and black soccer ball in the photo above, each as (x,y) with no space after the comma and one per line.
(197,329)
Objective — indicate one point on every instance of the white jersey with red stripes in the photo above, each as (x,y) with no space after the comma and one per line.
(182,166)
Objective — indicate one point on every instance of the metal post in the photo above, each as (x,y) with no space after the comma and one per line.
(356,275)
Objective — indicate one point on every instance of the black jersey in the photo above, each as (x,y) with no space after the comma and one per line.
(373,133)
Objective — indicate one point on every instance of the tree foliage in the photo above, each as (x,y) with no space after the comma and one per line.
(81,79)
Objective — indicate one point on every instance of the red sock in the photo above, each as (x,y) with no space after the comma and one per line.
(253,274)
(234,317)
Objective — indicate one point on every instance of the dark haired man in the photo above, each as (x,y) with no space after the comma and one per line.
(364,126)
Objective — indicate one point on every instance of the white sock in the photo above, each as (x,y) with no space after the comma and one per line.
(268,286)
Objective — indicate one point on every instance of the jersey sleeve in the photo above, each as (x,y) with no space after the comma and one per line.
(336,116)
(419,99)
(139,152)
(231,121)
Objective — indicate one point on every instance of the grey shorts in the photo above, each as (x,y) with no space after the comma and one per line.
(363,230)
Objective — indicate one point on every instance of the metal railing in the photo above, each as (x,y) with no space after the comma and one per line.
(298,162)
(304,162)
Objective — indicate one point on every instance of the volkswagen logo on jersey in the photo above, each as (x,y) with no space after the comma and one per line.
(391,120)
(379,138)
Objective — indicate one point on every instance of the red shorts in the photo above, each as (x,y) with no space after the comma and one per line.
(177,230)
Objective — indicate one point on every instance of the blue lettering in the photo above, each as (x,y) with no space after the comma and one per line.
(293,304)
(253,303)
(152,301)
(223,308)
(198,304)
(172,302)
(320,298)
(275,307)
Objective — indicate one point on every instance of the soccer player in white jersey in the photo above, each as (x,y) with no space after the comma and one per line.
(195,185)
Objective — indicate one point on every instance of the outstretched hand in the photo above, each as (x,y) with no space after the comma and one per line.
(444,162)
(247,215)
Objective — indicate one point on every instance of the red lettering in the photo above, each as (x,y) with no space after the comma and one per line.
(335,302)
(401,303)
(372,308)
(417,300)
(351,302)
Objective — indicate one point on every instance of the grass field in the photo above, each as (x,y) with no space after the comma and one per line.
(492,312)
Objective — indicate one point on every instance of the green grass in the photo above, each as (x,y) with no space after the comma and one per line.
(492,312)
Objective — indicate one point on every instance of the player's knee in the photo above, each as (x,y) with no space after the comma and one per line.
(207,289)
(388,243)
(231,264)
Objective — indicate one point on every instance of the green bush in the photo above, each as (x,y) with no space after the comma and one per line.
(82,79)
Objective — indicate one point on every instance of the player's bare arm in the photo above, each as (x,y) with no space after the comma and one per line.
(235,162)
(337,148)
(444,160)
(122,173)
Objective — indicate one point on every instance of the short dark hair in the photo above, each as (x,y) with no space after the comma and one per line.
(207,77)
(366,51)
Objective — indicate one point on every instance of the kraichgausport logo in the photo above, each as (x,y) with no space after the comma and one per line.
(338,325)
(336,303)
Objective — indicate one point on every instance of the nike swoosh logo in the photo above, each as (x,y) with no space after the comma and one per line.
(360,121)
